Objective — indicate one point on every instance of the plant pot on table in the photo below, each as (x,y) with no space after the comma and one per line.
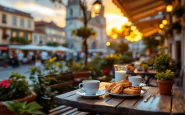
(28,99)
(165,86)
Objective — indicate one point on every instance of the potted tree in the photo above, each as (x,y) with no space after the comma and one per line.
(145,67)
(14,88)
(165,81)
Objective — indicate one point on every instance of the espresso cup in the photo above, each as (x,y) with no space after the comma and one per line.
(90,87)
(120,75)
(135,80)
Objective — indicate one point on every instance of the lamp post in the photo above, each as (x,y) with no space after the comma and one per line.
(97,8)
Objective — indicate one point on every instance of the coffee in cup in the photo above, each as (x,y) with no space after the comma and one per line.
(90,86)
(135,80)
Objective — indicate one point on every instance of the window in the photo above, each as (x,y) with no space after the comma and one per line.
(29,36)
(71,12)
(14,20)
(22,22)
(29,23)
(63,34)
(21,34)
(14,34)
(4,19)
(54,39)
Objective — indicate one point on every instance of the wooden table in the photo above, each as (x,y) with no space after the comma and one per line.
(159,105)
(150,75)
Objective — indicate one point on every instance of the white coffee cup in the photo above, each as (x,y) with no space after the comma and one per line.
(135,80)
(90,86)
(120,75)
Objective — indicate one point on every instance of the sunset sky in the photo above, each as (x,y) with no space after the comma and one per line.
(47,11)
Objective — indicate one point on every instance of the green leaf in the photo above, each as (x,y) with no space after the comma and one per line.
(37,112)
(9,105)
(33,106)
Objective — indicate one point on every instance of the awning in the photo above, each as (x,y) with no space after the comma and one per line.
(3,47)
(135,10)
(97,50)
(149,27)
(34,47)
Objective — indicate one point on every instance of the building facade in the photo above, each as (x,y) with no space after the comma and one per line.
(15,23)
(74,20)
(39,37)
(50,33)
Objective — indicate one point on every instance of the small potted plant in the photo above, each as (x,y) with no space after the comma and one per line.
(145,67)
(14,88)
(165,81)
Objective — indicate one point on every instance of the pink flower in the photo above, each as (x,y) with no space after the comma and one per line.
(4,84)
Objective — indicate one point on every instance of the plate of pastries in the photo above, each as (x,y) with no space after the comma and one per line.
(123,88)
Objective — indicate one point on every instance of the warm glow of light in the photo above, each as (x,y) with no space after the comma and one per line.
(161,26)
(29,36)
(97,8)
(115,36)
(133,27)
(108,43)
(54,39)
(21,34)
(14,34)
(169,8)
(164,22)
(159,31)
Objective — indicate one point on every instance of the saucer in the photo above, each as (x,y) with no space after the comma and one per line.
(83,94)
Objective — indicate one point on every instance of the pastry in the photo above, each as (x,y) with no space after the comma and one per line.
(110,86)
(125,83)
(117,89)
(132,90)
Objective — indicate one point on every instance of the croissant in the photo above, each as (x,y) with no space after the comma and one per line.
(125,83)
(110,86)
(117,89)
(132,90)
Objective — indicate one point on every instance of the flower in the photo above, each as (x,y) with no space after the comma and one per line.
(5,84)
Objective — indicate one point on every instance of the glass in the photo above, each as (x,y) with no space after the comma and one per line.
(120,67)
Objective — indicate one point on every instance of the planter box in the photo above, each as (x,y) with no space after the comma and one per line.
(5,111)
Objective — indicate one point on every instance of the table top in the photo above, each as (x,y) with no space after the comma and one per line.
(161,104)
(150,72)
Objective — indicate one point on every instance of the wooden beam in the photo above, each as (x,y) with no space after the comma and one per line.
(146,7)
(148,13)
(149,33)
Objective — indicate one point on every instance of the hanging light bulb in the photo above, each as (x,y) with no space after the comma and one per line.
(108,43)
(161,26)
(164,22)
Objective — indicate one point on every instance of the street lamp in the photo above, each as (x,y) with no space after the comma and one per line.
(97,6)
(169,7)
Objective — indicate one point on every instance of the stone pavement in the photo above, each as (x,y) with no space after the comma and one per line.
(5,72)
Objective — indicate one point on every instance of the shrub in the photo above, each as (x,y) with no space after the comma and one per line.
(21,40)
(167,75)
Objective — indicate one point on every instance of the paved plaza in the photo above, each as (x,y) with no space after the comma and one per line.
(6,72)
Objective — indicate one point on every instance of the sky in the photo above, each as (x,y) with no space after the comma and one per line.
(47,11)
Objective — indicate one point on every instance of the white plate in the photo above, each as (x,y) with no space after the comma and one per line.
(127,95)
(83,94)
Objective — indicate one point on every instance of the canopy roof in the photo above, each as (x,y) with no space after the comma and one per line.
(136,10)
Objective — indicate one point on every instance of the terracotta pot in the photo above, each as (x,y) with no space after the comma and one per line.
(165,86)
(5,111)
(145,70)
